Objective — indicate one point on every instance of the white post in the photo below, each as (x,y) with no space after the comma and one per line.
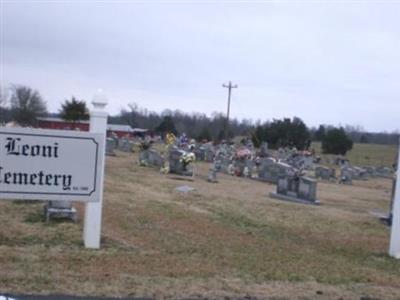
(92,222)
(394,248)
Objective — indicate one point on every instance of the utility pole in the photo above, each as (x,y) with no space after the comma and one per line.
(229,87)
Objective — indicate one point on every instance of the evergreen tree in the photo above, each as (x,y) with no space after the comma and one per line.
(336,141)
(167,125)
(74,110)
(287,133)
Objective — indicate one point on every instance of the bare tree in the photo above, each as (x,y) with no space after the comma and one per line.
(3,104)
(26,105)
(3,97)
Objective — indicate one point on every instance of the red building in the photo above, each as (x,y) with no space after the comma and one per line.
(112,129)
(60,124)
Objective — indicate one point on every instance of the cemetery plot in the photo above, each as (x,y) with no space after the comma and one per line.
(216,240)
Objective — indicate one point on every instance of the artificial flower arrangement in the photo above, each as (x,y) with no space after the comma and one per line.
(187,158)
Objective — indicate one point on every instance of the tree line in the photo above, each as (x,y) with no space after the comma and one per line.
(24,105)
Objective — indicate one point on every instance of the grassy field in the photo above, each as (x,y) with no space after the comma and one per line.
(367,154)
(224,239)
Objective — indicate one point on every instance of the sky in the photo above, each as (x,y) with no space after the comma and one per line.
(327,62)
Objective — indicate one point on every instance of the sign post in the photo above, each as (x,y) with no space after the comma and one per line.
(394,248)
(93,211)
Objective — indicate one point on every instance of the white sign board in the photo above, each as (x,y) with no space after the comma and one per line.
(43,164)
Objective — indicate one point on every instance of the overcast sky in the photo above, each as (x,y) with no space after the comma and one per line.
(330,63)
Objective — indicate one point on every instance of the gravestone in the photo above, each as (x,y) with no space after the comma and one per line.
(269,170)
(125,145)
(300,161)
(307,189)
(297,189)
(341,161)
(177,164)
(110,146)
(150,157)
(60,209)
(212,175)
(249,168)
(325,173)
(345,176)
(356,173)
(209,154)
(360,173)
(200,153)
(264,150)
(155,158)
(371,171)
(385,172)
(239,166)
(224,156)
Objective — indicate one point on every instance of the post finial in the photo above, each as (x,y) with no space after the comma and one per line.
(99,100)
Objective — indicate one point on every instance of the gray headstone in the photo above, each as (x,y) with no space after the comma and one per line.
(60,209)
(110,146)
(176,166)
(296,188)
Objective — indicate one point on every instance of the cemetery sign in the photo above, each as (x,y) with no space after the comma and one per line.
(50,164)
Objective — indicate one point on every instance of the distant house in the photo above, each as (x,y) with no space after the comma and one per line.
(60,124)
(119,130)
(112,129)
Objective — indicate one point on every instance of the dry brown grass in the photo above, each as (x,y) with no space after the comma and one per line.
(224,239)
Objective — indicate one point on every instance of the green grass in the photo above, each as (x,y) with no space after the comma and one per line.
(366,154)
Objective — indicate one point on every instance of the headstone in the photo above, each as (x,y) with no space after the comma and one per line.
(353,173)
(264,150)
(307,189)
(250,164)
(384,172)
(345,176)
(151,157)
(110,146)
(200,153)
(325,173)
(239,166)
(125,145)
(297,189)
(371,171)
(178,164)
(60,209)
(212,175)
(360,173)
(209,154)
(269,170)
